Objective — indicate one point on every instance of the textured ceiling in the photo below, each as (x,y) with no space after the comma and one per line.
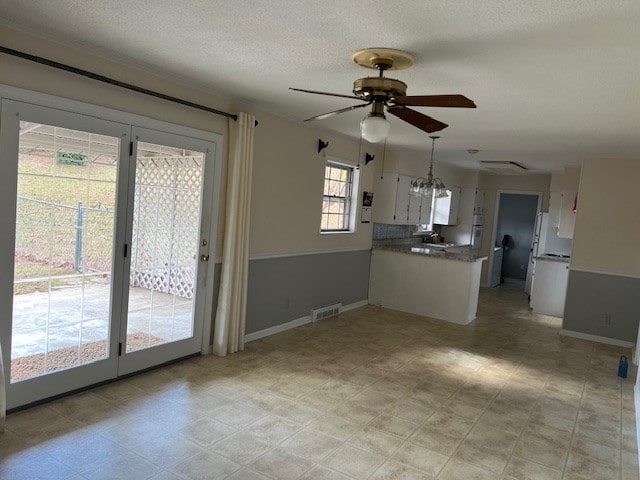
(555,82)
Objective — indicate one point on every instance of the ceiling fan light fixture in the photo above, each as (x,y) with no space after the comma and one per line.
(375,127)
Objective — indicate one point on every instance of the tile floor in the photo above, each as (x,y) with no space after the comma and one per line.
(372,394)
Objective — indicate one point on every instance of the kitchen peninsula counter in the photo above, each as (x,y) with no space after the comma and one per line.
(426,281)
(461,254)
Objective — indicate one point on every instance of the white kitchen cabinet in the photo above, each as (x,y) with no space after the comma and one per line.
(425,210)
(495,278)
(415,203)
(387,204)
(567,220)
(393,204)
(478,204)
(549,288)
(445,209)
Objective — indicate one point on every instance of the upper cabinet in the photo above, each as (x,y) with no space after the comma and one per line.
(393,204)
(425,210)
(478,204)
(562,217)
(567,220)
(445,209)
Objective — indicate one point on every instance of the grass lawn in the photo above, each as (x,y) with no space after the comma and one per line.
(48,197)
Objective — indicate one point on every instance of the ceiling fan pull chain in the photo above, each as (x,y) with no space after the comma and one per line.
(384,151)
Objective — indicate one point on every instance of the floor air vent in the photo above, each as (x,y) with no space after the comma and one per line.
(325,312)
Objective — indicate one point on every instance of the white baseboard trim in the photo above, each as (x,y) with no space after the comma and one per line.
(250,337)
(636,397)
(596,338)
(352,306)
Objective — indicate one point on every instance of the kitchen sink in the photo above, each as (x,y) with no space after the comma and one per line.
(430,250)
(439,245)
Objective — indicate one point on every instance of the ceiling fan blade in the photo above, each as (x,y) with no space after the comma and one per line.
(325,93)
(459,101)
(336,112)
(417,119)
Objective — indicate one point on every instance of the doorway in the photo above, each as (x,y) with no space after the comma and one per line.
(516,214)
(106,243)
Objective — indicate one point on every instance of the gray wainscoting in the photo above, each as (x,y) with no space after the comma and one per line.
(287,288)
(592,296)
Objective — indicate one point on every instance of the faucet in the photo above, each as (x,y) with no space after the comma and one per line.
(430,238)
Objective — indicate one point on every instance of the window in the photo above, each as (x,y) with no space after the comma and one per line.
(338,207)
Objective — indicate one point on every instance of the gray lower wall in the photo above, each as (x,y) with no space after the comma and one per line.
(287,288)
(591,296)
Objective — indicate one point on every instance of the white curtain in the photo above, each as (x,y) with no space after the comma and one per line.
(3,394)
(228,335)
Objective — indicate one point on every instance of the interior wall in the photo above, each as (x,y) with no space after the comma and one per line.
(608,204)
(287,193)
(569,179)
(604,278)
(491,183)
(416,164)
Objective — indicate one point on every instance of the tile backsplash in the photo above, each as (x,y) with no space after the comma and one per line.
(384,231)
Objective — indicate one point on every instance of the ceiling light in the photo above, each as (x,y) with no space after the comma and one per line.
(375,127)
(429,186)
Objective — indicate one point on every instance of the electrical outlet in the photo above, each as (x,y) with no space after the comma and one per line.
(607,319)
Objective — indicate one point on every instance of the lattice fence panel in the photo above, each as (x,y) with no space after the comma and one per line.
(166,221)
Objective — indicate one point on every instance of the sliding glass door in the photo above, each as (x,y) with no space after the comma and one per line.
(103,240)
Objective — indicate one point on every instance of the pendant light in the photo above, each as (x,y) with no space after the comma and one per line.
(429,186)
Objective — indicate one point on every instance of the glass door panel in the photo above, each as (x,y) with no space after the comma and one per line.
(59,187)
(169,226)
(65,203)
(164,247)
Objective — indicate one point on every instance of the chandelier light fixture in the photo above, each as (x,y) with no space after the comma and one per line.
(426,187)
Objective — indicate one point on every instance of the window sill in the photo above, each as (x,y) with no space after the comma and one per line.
(336,232)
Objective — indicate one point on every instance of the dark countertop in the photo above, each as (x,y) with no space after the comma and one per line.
(424,250)
(558,259)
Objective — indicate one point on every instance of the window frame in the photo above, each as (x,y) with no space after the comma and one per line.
(350,199)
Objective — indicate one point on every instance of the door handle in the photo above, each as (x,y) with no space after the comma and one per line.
(204,258)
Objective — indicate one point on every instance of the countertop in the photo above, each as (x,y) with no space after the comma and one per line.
(423,249)
(552,258)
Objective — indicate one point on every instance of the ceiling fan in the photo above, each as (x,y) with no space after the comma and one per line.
(381,92)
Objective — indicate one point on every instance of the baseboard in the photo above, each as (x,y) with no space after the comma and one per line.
(596,338)
(250,337)
(636,397)
(352,306)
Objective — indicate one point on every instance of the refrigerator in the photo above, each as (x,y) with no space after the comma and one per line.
(540,230)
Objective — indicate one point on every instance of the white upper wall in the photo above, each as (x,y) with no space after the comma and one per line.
(566,181)
(416,164)
(608,207)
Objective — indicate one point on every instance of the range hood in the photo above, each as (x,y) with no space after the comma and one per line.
(503,168)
